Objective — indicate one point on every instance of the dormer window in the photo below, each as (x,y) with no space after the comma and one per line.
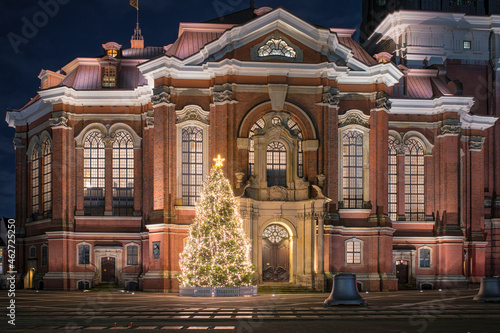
(112,49)
(112,53)
(277,47)
(109,77)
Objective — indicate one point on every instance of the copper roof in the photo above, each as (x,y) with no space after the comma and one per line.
(359,52)
(190,42)
(146,53)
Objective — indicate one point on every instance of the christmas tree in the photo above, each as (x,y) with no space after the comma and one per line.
(217,251)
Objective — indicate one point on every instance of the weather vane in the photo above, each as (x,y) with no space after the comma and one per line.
(218,161)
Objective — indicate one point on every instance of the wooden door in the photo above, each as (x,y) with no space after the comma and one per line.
(108,269)
(275,254)
(402,272)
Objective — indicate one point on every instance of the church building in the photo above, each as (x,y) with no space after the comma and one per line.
(381,160)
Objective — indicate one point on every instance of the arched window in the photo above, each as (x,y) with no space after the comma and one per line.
(277,47)
(45,255)
(414,180)
(123,174)
(83,254)
(292,125)
(47,178)
(352,171)
(424,257)
(251,150)
(300,153)
(392,179)
(132,254)
(93,174)
(109,77)
(276,164)
(353,251)
(192,164)
(35,181)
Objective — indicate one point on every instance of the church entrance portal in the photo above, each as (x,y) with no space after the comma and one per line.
(275,254)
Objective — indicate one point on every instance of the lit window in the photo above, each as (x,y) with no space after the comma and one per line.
(83,254)
(251,151)
(93,174)
(300,152)
(132,255)
(392,179)
(275,233)
(45,255)
(467,44)
(192,164)
(47,178)
(276,164)
(414,181)
(1,260)
(32,252)
(352,171)
(123,174)
(35,181)
(277,47)
(425,258)
(112,53)
(353,251)
(109,77)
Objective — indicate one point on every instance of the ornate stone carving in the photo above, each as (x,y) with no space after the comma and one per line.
(331,96)
(450,129)
(278,193)
(382,100)
(223,93)
(150,122)
(354,117)
(400,148)
(18,143)
(108,137)
(161,94)
(239,178)
(59,122)
(321,179)
(192,112)
(476,143)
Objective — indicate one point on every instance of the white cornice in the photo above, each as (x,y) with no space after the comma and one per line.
(137,97)
(27,115)
(458,104)
(431,106)
(171,67)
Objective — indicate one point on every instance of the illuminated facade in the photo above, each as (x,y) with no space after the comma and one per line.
(342,161)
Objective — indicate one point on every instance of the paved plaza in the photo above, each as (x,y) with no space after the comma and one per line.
(402,311)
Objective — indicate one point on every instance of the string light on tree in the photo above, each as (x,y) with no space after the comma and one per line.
(217,251)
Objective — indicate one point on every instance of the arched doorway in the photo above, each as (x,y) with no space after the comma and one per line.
(275,254)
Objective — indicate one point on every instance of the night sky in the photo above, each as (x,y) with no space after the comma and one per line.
(78,29)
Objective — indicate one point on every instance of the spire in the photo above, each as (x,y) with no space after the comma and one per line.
(252,4)
(137,41)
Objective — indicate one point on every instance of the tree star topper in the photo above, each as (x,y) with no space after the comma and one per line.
(218,161)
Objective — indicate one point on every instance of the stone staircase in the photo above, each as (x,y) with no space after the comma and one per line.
(283,288)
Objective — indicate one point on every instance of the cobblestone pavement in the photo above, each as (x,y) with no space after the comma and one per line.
(402,311)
